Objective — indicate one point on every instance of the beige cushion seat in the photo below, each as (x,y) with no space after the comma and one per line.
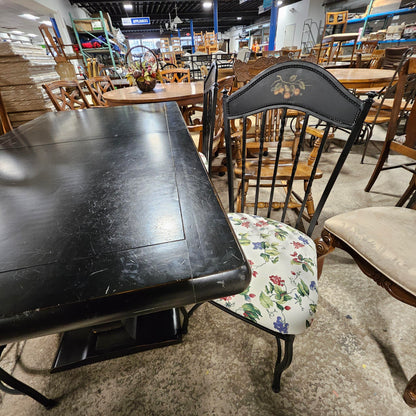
(385,237)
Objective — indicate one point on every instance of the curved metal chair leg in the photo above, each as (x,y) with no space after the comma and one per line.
(187,315)
(282,363)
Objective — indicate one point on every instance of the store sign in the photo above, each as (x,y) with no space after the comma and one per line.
(267,4)
(135,21)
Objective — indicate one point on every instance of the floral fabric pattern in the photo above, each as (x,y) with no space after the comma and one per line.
(283,294)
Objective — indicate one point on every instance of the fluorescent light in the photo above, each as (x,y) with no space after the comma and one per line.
(17,32)
(239,18)
(32,35)
(46,22)
(128,6)
(28,16)
(207,4)
(280,2)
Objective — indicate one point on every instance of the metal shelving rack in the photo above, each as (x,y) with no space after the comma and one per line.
(88,52)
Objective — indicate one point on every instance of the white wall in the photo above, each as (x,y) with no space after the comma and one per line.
(296,14)
(61,10)
(234,35)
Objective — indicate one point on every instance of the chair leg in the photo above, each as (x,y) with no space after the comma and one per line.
(408,192)
(282,362)
(17,387)
(381,160)
(187,315)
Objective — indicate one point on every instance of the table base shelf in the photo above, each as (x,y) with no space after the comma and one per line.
(116,339)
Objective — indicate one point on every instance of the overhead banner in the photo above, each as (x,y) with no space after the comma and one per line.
(135,21)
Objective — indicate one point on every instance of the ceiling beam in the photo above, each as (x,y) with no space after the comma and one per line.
(248,14)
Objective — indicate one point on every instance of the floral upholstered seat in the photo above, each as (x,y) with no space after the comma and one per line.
(282,295)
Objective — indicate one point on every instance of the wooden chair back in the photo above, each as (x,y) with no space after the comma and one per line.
(176,75)
(97,86)
(66,95)
(164,45)
(176,44)
(367,46)
(6,125)
(294,85)
(244,72)
(169,58)
(336,19)
(393,56)
(53,43)
(376,58)
(199,41)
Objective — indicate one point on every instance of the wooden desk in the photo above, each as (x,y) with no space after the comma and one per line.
(108,214)
(362,77)
(183,93)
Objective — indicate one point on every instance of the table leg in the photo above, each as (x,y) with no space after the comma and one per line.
(17,387)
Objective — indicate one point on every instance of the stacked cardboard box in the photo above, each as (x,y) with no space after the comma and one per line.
(23,70)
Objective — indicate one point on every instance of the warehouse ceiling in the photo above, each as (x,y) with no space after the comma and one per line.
(230,13)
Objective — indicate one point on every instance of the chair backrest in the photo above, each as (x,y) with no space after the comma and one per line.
(209,110)
(176,75)
(164,45)
(307,88)
(244,72)
(336,19)
(393,56)
(405,89)
(53,43)
(4,118)
(66,95)
(97,86)
(376,59)
(367,46)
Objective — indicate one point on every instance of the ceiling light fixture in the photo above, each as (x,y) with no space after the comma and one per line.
(280,2)
(17,32)
(32,35)
(29,16)
(239,18)
(128,6)
(207,4)
(46,22)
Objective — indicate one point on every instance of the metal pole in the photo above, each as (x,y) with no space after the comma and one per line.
(192,35)
(215,11)
(273,25)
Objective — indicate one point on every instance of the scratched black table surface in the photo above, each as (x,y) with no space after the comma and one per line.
(107,213)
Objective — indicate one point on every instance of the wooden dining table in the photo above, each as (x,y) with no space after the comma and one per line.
(353,78)
(184,93)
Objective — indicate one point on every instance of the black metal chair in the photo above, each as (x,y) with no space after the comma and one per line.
(282,296)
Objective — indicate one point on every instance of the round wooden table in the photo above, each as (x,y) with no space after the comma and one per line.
(183,93)
(362,77)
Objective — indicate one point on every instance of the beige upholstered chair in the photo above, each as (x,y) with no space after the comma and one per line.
(374,238)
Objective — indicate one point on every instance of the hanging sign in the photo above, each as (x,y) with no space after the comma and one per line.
(267,4)
(135,21)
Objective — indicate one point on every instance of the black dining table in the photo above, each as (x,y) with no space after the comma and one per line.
(109,223)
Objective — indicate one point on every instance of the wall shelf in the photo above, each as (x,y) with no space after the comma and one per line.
(383,15)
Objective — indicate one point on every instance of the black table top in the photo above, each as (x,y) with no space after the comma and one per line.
(105,213)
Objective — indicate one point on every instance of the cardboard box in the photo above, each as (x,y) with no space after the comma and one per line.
(90,25)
